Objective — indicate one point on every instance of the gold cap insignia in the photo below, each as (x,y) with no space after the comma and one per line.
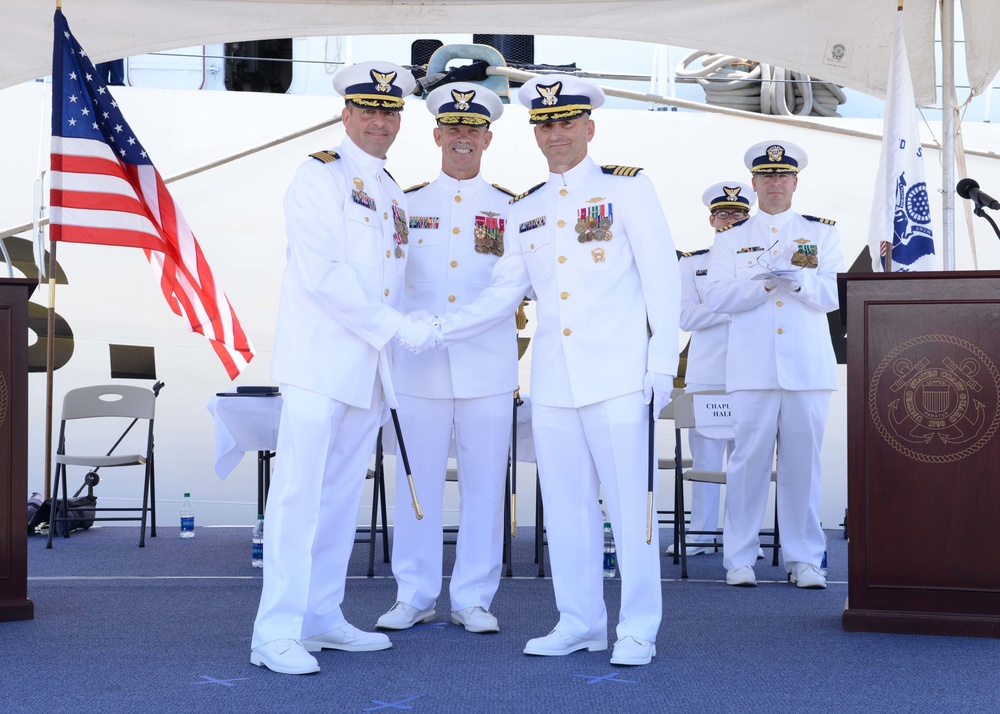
(462,99)
(383,80)
(550,94)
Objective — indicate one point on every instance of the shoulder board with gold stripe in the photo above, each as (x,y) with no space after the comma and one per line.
(817,219)
(733,225)
(416,188)
(531,190)
(695,252)
(500,188)
(325,156)
(616,170)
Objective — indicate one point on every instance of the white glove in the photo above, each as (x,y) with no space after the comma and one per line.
(790,280)
(657,386)
(418,336)
(421,315)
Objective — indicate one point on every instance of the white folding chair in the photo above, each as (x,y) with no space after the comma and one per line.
(105,408)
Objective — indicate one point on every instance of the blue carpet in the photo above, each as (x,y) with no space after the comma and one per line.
(167,629)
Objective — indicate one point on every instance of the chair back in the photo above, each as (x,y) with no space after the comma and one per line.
(109,400)
(668,411)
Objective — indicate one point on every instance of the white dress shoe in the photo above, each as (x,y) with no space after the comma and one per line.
(760,554)
(403,616)
(558,643)
(692,549)
(348,638)
(806,575)
(741,577)
(475,619)
(284,656)
(633,651)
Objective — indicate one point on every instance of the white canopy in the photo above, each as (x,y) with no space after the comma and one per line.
(844,41)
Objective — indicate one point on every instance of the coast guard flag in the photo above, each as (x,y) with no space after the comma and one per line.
(901,212)
(106,191)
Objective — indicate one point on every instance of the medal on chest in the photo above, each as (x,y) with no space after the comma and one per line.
(402,232)
(489,233)
(594,223)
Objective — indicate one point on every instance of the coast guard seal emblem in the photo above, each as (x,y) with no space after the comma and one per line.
(934,398)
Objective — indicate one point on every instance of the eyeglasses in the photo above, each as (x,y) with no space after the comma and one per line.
(726,215)
(778,262)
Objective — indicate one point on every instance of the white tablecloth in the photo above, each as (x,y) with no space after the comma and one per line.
(243,424)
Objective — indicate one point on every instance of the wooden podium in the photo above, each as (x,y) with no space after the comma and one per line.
(923,415)
(14,602)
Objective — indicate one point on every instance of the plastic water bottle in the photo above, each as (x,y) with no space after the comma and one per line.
(610,555)
(187,517)
(257,556)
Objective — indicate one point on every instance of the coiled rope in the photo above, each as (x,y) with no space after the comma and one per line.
(758,87)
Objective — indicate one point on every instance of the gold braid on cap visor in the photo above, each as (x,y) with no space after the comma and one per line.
(556,113)
(774,169)
(462,118)
(729,204)
(379,101)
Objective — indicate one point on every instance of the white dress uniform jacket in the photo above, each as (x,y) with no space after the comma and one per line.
(788,330)
(446,273)
(591,342)
(343,283)
(706,362)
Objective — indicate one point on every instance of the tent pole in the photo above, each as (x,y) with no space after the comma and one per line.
(948,133)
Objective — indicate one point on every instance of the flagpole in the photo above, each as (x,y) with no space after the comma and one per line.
(50,353)
(948,133)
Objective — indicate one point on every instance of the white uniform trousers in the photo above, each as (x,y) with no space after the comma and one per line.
(482,442)
(324,447)
(706,455)
(603,445)
(795,420)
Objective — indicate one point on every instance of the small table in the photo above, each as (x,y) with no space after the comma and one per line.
(246,423)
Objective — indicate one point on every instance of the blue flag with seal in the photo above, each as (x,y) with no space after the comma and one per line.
(901,211)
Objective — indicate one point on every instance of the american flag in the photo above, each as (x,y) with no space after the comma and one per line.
(106,191)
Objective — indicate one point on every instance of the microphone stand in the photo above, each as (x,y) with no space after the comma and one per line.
(978,210)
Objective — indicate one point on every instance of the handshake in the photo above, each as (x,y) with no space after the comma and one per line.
(420,332)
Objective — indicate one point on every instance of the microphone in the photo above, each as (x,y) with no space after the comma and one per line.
(969,188)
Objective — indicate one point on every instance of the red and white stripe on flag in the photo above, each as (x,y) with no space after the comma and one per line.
(98,199)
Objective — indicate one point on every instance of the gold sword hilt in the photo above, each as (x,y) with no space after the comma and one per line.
(413,495)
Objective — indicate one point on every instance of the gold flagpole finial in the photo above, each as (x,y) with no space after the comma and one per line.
(899,7)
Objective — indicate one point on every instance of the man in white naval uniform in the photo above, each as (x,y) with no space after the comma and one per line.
(727,203)
(592,246)
(343,285)
(775,274)
(457,230)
